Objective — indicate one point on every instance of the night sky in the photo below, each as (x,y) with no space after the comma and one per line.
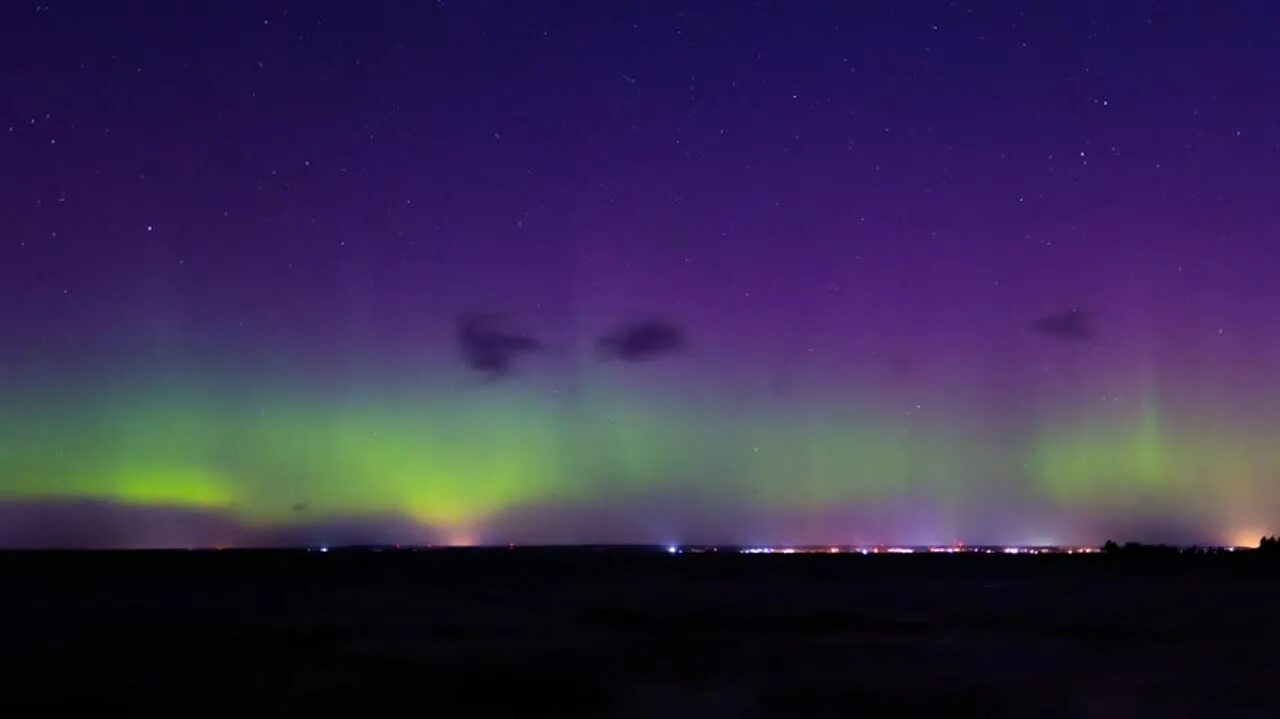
(490,272)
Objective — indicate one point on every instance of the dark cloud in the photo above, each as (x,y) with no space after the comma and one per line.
(489,346)
(302,505)
(348,531)
(1070,326)
(102,524)
(79,524)
(644,340)
(658,518)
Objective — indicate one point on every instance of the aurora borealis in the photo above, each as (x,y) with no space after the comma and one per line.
(639,273)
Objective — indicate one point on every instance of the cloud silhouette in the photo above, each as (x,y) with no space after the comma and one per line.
(490,348)
(643,340)
(1070,326)
(103,524)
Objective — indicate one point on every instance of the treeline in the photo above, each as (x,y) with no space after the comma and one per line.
(1145,550)
(1268,545)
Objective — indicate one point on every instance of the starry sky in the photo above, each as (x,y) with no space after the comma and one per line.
(488,272)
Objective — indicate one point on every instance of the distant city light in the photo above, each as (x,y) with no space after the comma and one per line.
(957,548)
(1246,538)
(673,549)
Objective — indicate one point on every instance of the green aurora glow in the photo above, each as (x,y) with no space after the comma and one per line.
(453,459)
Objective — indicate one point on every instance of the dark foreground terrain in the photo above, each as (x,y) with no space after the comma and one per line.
(642,634)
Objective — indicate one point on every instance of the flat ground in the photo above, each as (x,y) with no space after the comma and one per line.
(643,634)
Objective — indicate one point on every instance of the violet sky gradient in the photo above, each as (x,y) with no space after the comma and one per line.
(987,271)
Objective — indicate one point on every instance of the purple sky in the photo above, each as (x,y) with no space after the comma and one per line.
(1031,223)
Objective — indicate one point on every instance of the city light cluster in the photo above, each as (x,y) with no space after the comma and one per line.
(931,549)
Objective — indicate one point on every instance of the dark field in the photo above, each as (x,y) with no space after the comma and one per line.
(629,633)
